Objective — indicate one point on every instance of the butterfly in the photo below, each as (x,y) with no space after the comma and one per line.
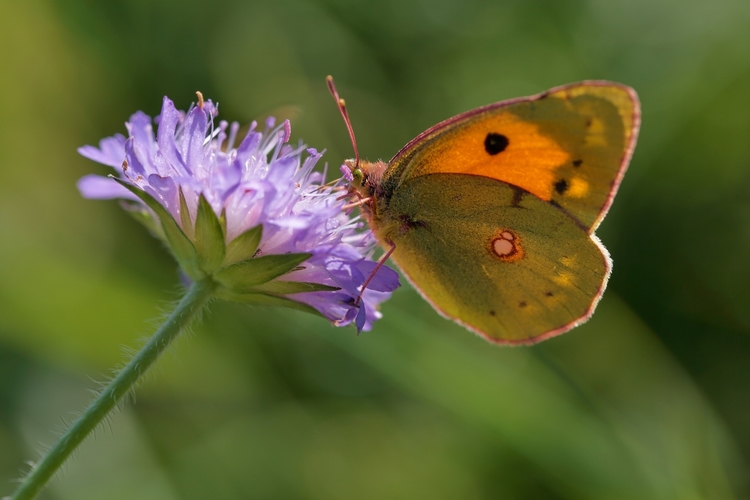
(491,214)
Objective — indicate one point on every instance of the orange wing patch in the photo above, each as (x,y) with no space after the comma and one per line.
(501,147)
(569,146)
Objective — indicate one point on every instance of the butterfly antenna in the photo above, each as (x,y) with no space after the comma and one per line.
(342,107)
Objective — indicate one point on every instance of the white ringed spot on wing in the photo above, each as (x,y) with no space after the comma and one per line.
(506,246)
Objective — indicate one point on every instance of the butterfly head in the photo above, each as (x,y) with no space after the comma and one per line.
(353,173)
(364,177)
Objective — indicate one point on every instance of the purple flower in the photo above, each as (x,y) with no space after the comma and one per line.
(253,216)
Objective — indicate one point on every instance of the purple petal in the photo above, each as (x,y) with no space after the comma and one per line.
(194,133)
(345,276)
(111,151)
(164,189)
(168,120)
(283,168)
(141,130)
(335,306)
(361,317)
(386,279)
(226,180)
(97,187)
(371,301)
(131,156)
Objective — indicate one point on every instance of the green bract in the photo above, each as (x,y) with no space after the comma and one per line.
(241,276)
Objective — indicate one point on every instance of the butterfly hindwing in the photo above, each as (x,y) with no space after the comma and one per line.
(496,258)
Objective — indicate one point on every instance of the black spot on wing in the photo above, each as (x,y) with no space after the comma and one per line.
(517,196)
(495,143)
(577,163)
(561,186)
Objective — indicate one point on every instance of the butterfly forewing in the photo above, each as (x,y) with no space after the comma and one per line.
(569,146)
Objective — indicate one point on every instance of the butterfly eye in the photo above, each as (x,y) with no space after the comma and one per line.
(359,177)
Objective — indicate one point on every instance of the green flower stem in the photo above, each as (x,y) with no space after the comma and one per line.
(191,304)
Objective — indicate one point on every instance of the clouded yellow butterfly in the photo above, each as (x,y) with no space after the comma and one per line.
(491,214)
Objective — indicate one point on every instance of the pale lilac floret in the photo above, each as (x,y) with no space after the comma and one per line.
(347,173)
(262,180)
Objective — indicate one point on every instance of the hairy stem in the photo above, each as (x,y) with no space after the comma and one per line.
(188,308)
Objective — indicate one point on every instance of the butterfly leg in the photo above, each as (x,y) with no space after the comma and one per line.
(357,203)
(375,271)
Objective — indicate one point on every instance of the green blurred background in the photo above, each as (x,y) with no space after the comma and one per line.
(648,400)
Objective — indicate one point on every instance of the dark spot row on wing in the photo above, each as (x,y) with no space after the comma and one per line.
(522,304)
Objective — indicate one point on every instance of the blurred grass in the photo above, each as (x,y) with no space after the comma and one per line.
(650,399)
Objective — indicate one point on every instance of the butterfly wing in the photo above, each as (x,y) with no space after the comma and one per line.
(569,146)
(496,258)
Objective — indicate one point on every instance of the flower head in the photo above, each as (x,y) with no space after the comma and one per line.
(254,216)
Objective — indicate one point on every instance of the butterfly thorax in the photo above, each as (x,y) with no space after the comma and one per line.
(367,186)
